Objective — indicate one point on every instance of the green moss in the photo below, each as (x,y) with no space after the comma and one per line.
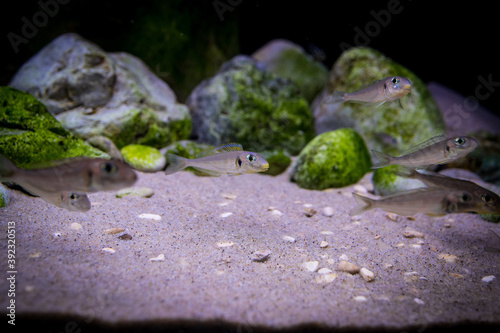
(385,182)
(4,196)
(332,159)
(278,162)
(31,135)
(143,158)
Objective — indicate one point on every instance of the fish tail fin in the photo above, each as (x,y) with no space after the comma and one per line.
(383,160)
(7,167)
(335,97)
(175,163)
(364,204)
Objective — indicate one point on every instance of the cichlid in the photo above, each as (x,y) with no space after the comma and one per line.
(72,201)
(85,175)
(431,201)
(229,159)
(488,201)
(379,92)
(436,150)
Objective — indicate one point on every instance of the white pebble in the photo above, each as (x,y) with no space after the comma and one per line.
(228,196)
(360,188)
(324,270)
(327,232)
(366,274)
(419,301)
(113,231)
(450,258)
(160,257)
(488,278)
(307,205)
(276,212)
(413,234)
(325,278)
(225,244)
(226,214)
(416,246)
(360,298)
(343,257)
(328,211)
(311,266)
(108,250)
(289,239)
(323,244)
(76,226)
(222,204)
(149,216)
(393,217)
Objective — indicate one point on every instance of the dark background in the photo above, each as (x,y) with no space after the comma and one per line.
(452,44)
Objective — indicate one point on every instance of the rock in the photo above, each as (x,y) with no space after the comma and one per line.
(246,104)
(311,266)
(289,239)
(260,256)
(94,93)
(488,278)
(30,135)
(145,192)
(333,159)
(328,211)
(143,158)
(418,119)
(278,161)
(348,267)
(366,274)
(289,60)
(4,196)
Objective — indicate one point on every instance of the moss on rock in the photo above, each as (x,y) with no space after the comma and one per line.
(143,158)
(332,159)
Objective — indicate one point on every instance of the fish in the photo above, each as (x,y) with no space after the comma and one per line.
(436,150)
(72,201)
(229,159)
(488,202)
(493,244)
(431,201)
(81,175)
(379,92)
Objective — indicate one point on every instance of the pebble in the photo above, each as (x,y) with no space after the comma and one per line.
(360,298)
(327,232)
(448,257)
(311,266)
(108,250)
(348,267)
(310,212)
(359,188)
(343,257)
(260,256)
(325,278)
(377,237)
(160,257)
(125,237)
(393,217)
(113,231)
(144,192)
(456,275)
(323,244)
(307,205)
(488,278)
(228,196)
(416,246)
(225,244)
(419,301)
(324,270)
(149,216)
(366,274)
(400,245)
(413,234)
(226,214)
(274,211)
(35,255)
(328,211)
(289,239)
(76,226)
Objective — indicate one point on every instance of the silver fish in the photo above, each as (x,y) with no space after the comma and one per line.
(85,175)
(431,201)
(72,201)
(488,202)
(229,159)
(436,150)
(379,92)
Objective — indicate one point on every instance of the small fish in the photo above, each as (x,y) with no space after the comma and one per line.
(436,150)
(229,159)
(85,175)
(493,244)
(379,92)
(72,201)
(487,201)
(431,201)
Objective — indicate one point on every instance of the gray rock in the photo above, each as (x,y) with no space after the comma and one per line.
(95,93)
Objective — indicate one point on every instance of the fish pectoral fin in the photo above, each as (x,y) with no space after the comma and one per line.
(380,104)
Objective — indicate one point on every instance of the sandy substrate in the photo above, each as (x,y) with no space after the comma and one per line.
(208,276)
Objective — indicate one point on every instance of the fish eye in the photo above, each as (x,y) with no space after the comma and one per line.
(466,197)
(486,198)
(108,167)
(73,196)
(460,141)
(395,80)
(251,158)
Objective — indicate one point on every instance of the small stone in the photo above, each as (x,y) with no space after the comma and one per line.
(289,239)
(325,278)
(149,216)
(226,214)
(225,244)
(228,196)
(309,212)
(360,298)
(348,267)
(307,205)
(413,234)
(400,245)
(160,257)
(328,211)
(456,275)
(125,237)
(366,274)
(488,278)
(144,192)
(416,246)
(76,226)
(343,257)
(450,258)
(29,288)
(222,204)
(274,211)
(324,270)
(260,256)
(108,250)
(35,255)
(377,237)
(113,231)
(323,244)
(327,232)
(311,266)
(419,301)
(393,217)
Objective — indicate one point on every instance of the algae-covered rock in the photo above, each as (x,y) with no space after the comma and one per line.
(143,158)
(416,121)
(30,135)
(289,60)
(247,104)
(332,159)
(95,93)
(4,196)
(278,161)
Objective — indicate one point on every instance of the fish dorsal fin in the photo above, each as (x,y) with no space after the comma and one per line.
(426,143)
(225,148)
